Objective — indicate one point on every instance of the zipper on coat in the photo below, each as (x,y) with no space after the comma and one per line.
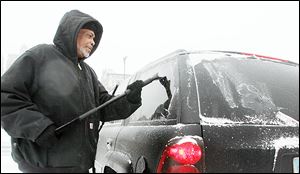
(79,66)
(81,93)
(87,127)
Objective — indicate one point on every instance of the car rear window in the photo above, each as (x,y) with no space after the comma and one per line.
(248,90)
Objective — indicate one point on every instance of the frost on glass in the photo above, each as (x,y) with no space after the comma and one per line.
(240,90)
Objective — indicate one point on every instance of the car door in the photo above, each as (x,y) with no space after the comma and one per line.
(146,132)
(108,135)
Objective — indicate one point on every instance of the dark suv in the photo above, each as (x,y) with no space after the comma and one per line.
(216,111)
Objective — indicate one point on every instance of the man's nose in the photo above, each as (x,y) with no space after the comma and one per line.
(93,42)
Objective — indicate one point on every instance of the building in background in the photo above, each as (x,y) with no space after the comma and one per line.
(8,59)
(110,79)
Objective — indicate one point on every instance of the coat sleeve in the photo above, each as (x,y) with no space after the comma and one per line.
(20,116)
(120,109)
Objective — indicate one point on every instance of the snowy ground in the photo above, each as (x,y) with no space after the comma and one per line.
(7,163)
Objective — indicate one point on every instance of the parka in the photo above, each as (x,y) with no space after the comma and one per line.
(48,85)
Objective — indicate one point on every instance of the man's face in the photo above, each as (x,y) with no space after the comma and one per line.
(85,43)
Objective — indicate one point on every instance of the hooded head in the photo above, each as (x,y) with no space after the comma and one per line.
(66,35)
(91,26)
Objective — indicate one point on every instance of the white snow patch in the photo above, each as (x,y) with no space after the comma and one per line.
(283,120)
(196,57)
(218,121)
(179,126)
(287,120)
(189,71)
(284,142)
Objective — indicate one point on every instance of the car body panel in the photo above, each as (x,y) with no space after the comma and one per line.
(228,145)
(248,148)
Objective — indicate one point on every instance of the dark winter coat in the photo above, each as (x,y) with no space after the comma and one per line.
(47,85)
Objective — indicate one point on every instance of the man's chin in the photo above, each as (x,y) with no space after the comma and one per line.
(85,53)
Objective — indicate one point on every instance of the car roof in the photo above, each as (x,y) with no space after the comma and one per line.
(243,54)
(220,53)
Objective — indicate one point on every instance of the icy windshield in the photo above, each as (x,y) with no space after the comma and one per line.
(247,90)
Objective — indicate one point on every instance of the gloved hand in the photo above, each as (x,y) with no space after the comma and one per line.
(135,92)
(48,137)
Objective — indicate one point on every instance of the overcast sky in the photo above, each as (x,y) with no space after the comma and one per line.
(144,31)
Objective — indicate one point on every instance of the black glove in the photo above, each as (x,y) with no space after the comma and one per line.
(48,137)
(135,92)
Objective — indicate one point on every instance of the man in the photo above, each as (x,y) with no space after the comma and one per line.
(48,86)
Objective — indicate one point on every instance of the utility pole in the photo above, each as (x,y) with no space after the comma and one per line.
(124,60)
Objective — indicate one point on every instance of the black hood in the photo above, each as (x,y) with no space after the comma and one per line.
(66,35)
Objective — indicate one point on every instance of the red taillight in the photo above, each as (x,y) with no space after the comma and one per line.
(180,157)
(185,153)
